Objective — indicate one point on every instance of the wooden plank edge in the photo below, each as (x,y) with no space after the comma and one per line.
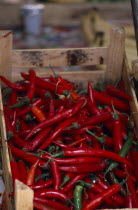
(130,90)
(23,196)
(5,156)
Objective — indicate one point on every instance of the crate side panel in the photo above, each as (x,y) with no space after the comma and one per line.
(130,90)
(6,161)
(58,57)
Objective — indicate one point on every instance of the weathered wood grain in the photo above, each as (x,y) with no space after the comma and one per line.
(59,57)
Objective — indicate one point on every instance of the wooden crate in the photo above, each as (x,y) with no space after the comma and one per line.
(12,62)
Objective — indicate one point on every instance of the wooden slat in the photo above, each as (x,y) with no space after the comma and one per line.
(130,90)
(23,196)
(5,158)
(58,57)
(5,67)
(115,55)
(5,53)
(135,68)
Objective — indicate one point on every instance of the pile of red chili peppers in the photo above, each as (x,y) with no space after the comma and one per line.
(77,149)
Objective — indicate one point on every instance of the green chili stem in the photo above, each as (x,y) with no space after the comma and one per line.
(101,139)
(25,101)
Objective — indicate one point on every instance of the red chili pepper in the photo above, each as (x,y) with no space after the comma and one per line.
(74,160)
(23,171)
(91,103)
(117,133)
(58,130)
(13,99)
(31,174)
(37,102)
(116,198)
(84,144)
(14,168)
(56,174)
(38,113)
(84,168)
(53,79)
(51,193)
(51,112)
(42,186)
(61,109)
(40,206)
(107,100)
(18,141)
(73,181)
(96,153)
(86,197)
(31,88)
(122,174)
(58,117)
(90,194)
(43,93)
(9,128)
(135,159)
(39,176)
(106,140)
(82,115)
(68,87)
(27,157)
(80,103)
(97,119)
(23,125)
(80,130)
(97,189)
(122,116)
(131,186)
(112,90)
(46,84)
(54,204)
(66,178)
(23,133)
(60,144)
(38,140)
(76,142)
(13,123)
(95,143)
(11,85)
(100,198)
(129,199)
(66,84)
(49,122)
(66,102)
(109,124)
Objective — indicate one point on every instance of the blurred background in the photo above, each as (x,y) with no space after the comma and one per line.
(66,23)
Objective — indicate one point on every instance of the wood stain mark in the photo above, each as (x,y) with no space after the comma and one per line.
(7,34)
(76,57)
(34,58)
